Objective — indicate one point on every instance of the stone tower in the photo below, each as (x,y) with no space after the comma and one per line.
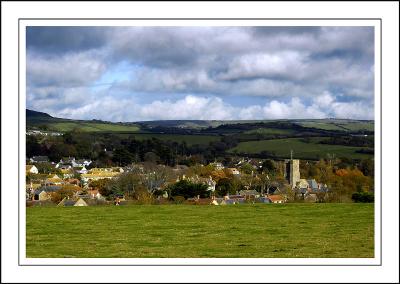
(292,171)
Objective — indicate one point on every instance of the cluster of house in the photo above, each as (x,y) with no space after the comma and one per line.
(43,133)
(43,186)
(241,197)
(309,189)
(306,189)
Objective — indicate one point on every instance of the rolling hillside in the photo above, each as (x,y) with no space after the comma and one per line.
(274,137)
(305,150)
(41,120)
(37,119)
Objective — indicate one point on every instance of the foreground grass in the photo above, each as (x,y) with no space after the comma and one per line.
(252,231)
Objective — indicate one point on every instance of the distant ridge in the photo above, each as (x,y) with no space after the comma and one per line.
(36,114)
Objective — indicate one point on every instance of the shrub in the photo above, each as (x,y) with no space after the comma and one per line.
(364,197)
(178,199)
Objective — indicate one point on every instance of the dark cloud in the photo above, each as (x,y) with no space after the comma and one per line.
(55,40)
(273,31)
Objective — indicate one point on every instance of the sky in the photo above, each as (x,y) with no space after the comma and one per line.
(220,73)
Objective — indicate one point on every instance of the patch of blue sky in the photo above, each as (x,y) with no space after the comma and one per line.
(118,73)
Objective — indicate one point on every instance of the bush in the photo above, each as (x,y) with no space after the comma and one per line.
(188,189)
(178,199)
(364,197)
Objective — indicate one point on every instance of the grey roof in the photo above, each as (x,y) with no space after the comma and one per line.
(47,188)
(69,202)
(40,158)
(82,161)
(248,192)
(313,184)
(235,196)
(263,200)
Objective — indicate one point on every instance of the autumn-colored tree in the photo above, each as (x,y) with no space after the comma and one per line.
(342,172)
(65,191)
(247,169)
(218,175)
(203,171)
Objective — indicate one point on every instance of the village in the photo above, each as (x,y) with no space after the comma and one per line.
(74,182)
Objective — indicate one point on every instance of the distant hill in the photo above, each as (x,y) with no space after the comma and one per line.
(41,120)
(36,114)
(36,119)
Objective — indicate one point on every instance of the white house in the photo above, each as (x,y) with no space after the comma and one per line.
(218,166)
(81,163)
(80,170)
(31,169)
(234,171)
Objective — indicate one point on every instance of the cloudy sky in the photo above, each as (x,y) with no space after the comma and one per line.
(151,73)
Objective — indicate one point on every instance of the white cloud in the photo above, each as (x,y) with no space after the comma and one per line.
(191,107)
(288,64)
(72,69)
(352,110)
(214,108)
(294,109)
(325,100)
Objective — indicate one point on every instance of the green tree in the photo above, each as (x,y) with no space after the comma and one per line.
(225,186)
(122,156)
(247,169)
(188,189)
(367,167)
(47,168)
(268,166)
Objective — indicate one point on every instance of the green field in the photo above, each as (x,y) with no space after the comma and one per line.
(342,125)
(358,126)
(269,131)
(189,139)
(302,150)
(251,231)
(91,127)
(322,125)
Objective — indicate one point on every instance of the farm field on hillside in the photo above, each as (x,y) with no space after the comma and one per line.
(189,139)
(250,231)
(322,125)
(269,131)
(341,125)
(301,149)
(91,127)
(359,126)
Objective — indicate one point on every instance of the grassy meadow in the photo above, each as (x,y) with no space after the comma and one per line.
(248,231)
(302,150)
(91,127)
(342,125)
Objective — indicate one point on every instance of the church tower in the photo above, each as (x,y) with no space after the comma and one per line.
(292,170)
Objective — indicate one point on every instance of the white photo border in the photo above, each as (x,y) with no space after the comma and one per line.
(376,23)
(387,272)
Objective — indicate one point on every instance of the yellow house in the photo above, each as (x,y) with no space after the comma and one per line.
(67,173)
(99,175)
